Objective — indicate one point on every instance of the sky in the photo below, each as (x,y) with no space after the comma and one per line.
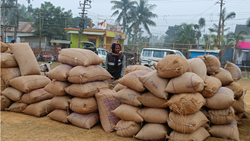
(170,12)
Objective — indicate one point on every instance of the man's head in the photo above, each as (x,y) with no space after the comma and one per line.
(116,48)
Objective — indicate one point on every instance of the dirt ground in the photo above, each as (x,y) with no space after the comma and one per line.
(21,127)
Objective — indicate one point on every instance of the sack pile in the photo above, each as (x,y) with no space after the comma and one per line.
(22,84)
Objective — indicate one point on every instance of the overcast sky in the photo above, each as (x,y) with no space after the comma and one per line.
(170,12)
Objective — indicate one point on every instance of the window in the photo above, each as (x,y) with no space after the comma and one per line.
(147,53)
(158,54)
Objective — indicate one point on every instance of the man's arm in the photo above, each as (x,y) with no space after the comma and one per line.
(106,62)
(123,65)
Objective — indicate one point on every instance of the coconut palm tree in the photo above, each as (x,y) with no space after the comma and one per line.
(186,34)
(224,18)
(122,8)
(201,24)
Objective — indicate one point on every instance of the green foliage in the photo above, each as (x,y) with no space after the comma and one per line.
(77,20)
(171,33)
(248,23)
(186,34)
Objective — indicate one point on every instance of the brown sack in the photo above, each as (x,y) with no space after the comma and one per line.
(8,51)
(79,57)
(192,83)
(39,109)
(5,102)
(59,115)
(155,84)
(154,115)
(212,63)
(131,80)
(86,90)
(81,74)
(149,100)
(236,88)
(223,99)
(83,120)
(186,123)
(57,87)
(4,46)
(234,70)
(128,112)
(60,102)
(128,96)
(12,93)
(3,85)
(186,103)
(119,87)
(198,67)
(135,68)
(8,61)
(224,76)
(83,106)
(35,96)
(239,105)
(212,85)
(29,83)
(228,131)
(106,103)
(127,128)
(60,73)
(17,107)
(224,116)
(9,73)
(153,131)
(172,66)
(25,58)
(199,135)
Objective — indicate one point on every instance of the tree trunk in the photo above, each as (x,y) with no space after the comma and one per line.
(135,36)
(124,23)
(198,39)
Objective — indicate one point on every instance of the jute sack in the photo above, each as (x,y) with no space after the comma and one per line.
(4,47)
(199,135)
(224,116)
(83,106)
(212,63)
(81,74)
(132,81)
(8,51)
(39,109)
(60,73)
(204,110)
(106,103)
(5,102)
(198,67)
(79,57)
(234,70)
(236,88)
(17,107)
(59,115)
(239,105)
(186,123)
(223,99)
(119,87)
(25,58)
(186,103)
(9,73)
(57,87)
(3,85)
(224,76)
(12,93)
(86,90)
(172,66)
(60,102)
(136,67)
(8,61)
(153,131)
(212,85)
(128,96)
(154,115)
(192,83)
(127,128)
(35,96)
(228,131)
(155,84)
(128,112)
(83,120)
(29,83)
(149,100)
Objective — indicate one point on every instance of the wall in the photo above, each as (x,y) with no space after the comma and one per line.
(75,38)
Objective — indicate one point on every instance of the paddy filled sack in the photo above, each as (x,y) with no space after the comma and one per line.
(60,72)
(9,73)
(154,115)
(239,105)
(212,64)
(119,87)
(83,105)
(79,57)
(198,67)
(59,115)
(5,102)
(17,107)
(12,93)
(136,67)
(57,87)
(35,96)
(149,100)
(83,120)
(3,85)
(224,76)
(4,47)
(224,116)
(127,128)
(211,86)
(234,70)
(60,102)
(8,60)
(128,96)
(236,88)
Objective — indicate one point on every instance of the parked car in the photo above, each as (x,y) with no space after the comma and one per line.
(154,55)
(102,53)
(89,45)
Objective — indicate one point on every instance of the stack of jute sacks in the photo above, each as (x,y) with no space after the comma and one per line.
(24,82)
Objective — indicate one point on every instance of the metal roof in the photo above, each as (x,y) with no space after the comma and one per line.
(61,41)
(87,33)
(23,27)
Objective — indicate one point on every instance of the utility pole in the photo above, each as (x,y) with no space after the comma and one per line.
(40,30)
(4,21)
(16,22)
(219,28)
(86,2)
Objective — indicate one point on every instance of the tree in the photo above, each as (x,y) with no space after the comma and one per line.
(248,22)
(186,34)
(77,20)
(171,33)
(198,27)
(122,8)
(24,15)
(224,18)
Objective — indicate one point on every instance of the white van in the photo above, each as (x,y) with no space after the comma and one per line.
(154,55)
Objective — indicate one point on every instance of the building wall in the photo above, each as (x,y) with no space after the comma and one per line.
(10,35)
